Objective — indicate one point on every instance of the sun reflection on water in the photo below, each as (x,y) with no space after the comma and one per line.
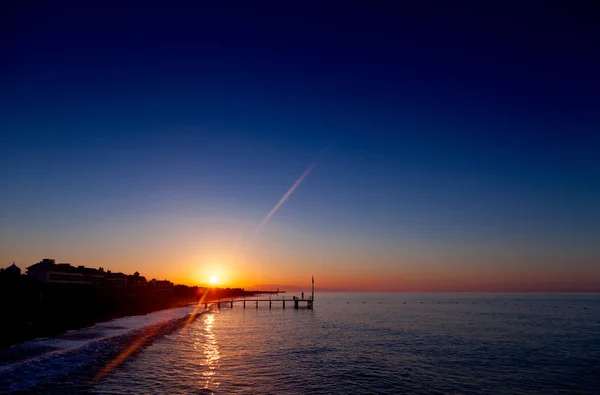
(210,349)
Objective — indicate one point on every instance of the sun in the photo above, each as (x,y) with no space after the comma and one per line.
(213,279)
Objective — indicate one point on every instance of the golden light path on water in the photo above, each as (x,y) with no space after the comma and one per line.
(208,343)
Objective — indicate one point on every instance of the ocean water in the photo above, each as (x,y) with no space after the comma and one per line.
(349,343)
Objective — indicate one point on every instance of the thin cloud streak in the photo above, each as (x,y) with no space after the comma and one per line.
(243,243)
(288,193)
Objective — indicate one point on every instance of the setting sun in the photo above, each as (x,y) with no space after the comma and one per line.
(213,279)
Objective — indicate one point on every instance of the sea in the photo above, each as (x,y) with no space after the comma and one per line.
(350,343)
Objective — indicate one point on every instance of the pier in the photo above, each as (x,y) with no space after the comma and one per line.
(294,301)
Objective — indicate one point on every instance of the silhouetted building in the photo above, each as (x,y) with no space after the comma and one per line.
(161,285)
(117,280)
(41,270)
(136,281)
(13,270)
(48,271)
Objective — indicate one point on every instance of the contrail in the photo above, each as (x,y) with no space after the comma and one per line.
(289,192)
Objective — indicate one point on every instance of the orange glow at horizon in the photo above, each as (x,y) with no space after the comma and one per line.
(266,272)
(285,258)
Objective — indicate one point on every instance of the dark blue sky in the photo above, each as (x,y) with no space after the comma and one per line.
(445,127)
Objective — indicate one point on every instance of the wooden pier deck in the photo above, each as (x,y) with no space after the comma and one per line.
(295,301)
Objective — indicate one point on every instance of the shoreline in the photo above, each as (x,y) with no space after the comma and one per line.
(66,310)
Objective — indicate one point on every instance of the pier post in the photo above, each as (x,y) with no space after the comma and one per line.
(219,304)
(244,304)
(284,302)
(257,304)
(269,304)
(232,304)
(296,304)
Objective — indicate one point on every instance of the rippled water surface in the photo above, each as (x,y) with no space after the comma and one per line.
(350,343)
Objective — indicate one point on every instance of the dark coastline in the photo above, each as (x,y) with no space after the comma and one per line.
(32,310)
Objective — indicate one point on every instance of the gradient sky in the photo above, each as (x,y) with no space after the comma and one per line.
(457,148)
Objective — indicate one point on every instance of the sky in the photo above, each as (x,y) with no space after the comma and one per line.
(379,146)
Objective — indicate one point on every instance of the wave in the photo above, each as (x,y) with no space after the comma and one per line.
(69,363)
